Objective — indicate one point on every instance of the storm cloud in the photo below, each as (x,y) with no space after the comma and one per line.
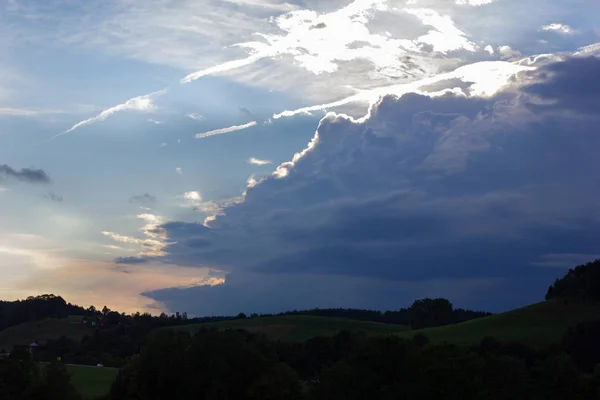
(24,175)
(448,195)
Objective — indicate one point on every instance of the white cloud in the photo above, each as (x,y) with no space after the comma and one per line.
(153,121)
(193,196)
(23,112)
(152,224)
(258,161)
(227,66)
(474,2)
(164,144)
(252,181)
(225,130)
(486,78)
(445,36)
(196,116)
(592,49)
(560,28)
(151,218)
(140,103)
(179,170)
(151,247)
(508,52)
(489,49)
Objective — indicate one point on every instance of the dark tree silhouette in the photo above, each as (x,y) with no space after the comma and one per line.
(581,283)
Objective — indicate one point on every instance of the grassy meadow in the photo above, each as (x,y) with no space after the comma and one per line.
(50,328)
(537,325)
(92,382)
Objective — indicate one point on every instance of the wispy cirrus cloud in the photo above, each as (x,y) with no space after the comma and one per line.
(25,112)
(224,67)
(225,130)
(196,116)
(139,103)
(149,247)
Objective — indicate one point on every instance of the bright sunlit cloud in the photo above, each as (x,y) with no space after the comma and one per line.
(445,36)
(560,28)
(140,103)
(225,130)
(194,196)
(486,78)
(258,161)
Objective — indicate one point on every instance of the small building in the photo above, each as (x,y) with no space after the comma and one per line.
(31,347)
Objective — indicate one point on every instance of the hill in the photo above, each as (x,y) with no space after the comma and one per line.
(49,328)
(537,325)
(296,327)
(36,308)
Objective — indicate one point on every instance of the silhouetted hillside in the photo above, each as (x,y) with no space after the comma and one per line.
(35,309)
(403,316)
(581,283)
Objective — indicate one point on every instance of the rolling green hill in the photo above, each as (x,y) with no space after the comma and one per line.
(50,328)
(537,325)
(297,327)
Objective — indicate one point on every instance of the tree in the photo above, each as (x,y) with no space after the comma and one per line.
(429,312)
(582,343)
(57,385)
(19,376)
(581,283)
(280,383)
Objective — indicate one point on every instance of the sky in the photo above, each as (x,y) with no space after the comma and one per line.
(231,156)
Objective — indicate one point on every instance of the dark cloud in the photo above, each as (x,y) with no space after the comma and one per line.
(320,25)
(122,269)
(572,85)
(25,174)
(144,199)
(267,293)
(131,260)
(54,197)
(245,112)
(447,196)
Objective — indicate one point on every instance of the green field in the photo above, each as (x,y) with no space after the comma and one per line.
(537,325)
(50,328)
(92,382)
(297,327)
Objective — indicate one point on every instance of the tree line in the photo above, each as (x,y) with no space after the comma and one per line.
(422,313)
(352,366)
